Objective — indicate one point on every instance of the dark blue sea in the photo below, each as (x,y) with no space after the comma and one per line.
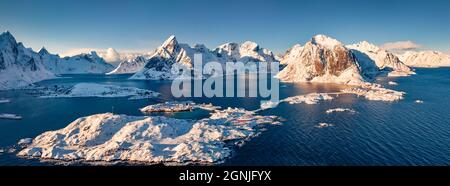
(380,133)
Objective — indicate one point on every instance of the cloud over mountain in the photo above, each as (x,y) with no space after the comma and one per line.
(401,45)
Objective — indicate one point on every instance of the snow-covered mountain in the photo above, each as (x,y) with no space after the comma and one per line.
(160,64)
(19,66)
(171,53)
(130,66)
(323,59)
(78,64)
(246,52)
(426,59)
(386,61)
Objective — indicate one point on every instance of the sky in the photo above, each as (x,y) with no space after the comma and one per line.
(127,25)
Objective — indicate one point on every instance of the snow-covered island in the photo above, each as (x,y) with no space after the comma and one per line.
(149,139)
(330,111)
(177,106)
(102,90)
(5,101)
(376,92)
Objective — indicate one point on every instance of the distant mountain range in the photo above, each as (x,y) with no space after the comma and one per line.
(322,59)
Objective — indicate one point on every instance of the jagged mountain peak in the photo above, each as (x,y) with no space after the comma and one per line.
(171,41)
(325,41)
(43,51)
(7,38)
(7,34)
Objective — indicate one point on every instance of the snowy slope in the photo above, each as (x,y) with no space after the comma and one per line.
(19,66)
(426,59)
(130,66)
(367,53)
(291,54)
(78,64)
(323,59)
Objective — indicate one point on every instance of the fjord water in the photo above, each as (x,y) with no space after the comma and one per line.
(380,133)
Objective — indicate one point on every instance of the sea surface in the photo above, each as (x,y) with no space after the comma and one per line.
(379,133)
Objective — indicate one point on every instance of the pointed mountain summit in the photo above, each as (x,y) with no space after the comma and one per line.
(7,41)
(43,51)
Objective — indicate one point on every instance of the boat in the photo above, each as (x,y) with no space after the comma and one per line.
(4,101)
(10,116)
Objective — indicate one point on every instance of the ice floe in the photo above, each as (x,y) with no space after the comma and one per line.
(149,139)
(10,116)
(177,106)
(329,111)
(324,125)
(101,90)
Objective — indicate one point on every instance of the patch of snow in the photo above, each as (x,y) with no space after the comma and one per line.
(399,74)
(329,111)
(101,90)
(148,139)
(24,141)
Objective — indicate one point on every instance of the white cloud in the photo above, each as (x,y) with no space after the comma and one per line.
(401,45)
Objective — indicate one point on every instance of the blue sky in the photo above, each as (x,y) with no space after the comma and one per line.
(62,25)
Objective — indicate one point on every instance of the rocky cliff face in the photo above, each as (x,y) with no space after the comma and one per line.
(323,59)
